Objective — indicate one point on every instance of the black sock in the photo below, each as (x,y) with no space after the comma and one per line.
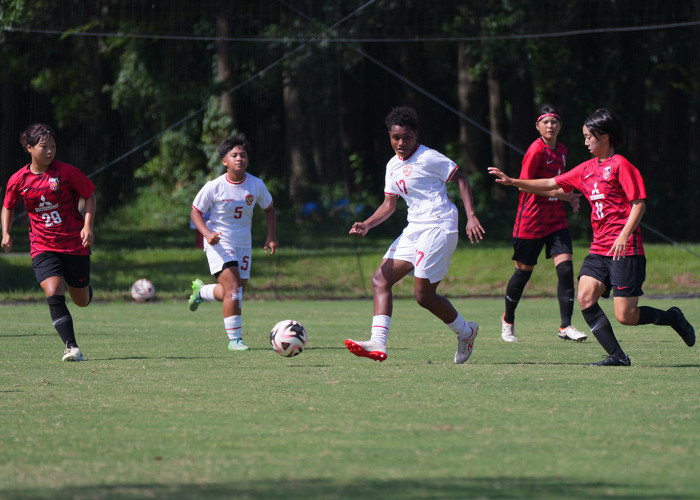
(652,316)
(565,292)
(514,291)
(602,329)
(62,320)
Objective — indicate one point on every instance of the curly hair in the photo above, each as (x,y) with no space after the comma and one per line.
(232,142)
(403,116)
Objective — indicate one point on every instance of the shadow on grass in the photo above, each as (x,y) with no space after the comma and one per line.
(366,489)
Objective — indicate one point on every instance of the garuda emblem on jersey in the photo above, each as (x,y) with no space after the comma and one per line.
(407,170)
(249,198)
(606,172)
(53,183)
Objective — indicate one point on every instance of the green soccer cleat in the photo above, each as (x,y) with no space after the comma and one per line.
(237,345)
(195,299)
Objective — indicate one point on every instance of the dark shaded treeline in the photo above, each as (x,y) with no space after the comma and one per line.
(312,100)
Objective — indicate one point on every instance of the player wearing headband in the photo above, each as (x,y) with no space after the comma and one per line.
(540,222)
(616,261)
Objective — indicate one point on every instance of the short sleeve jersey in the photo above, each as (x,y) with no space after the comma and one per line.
(231,205)
(421,180)
(539,216)
(609,186)
(51,200)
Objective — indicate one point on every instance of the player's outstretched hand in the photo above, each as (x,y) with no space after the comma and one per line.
(359,228)
(271,245)
(501,177)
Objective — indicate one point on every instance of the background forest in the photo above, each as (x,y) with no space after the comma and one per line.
(141,92)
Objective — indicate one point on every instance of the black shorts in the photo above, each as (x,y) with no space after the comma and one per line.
(75,269)
(528,251)
(230,263)
(624,276)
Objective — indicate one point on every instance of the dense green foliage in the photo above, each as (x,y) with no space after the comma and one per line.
(142,91)
(161,409)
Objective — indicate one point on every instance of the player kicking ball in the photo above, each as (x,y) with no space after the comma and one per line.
(231,199)
(424,249)
(616,192)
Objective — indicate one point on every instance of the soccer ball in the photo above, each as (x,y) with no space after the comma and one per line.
(142,290)
(288,338)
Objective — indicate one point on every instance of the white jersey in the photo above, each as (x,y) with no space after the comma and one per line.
(231,205)
(421,180)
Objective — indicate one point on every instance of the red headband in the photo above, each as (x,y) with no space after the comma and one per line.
(548,114)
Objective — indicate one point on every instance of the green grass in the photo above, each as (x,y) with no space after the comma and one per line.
(342,269)
(161,409)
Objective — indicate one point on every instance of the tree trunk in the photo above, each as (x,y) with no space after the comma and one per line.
(223,64)
(469,93)
(498,148)
(294,122)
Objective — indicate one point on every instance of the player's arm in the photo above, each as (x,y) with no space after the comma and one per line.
(382,213)
(198,221)
(271,219)
(620,245)
(475,231)
(527,185)
(6,217)
(86,234)
(560,194)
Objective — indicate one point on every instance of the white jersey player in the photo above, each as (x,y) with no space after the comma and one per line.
(424,249)
(230,200)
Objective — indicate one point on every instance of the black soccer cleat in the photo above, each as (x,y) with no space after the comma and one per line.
(614,360)
(682,327)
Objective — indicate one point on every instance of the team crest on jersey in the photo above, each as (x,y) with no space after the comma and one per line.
(249,198)
(53,183)
(606,172)
(407,169)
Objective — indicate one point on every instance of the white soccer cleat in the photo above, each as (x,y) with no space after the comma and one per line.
(507,330)
(465,343)
(572,333)
(366,349)
(72,354)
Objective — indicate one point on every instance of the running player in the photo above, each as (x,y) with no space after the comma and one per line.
(424,249)
(541,222)
(231,199)
(616,192)
(60,237)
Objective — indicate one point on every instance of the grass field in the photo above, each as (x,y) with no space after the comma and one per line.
(161,409)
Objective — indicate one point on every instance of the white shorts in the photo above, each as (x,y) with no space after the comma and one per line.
(429,249)
(218,256)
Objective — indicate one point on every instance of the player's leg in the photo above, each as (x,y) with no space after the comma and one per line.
(387,274)
(565,294)
(77,278)
(217,257)
(630,273)
(434,251)
(594,283)
(525,254)
(49,271)
(229,280)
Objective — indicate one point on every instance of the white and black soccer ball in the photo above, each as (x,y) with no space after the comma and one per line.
(142,290)
(288,338)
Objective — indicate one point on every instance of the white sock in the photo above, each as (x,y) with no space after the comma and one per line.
(207,293)
(459,325)
(380,328)
(233,327)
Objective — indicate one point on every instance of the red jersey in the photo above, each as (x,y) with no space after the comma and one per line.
(609,186)
(51,200)
(539,216)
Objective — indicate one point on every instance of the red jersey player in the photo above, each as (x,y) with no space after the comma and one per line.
(541,223)
(615,190)
(59,235)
